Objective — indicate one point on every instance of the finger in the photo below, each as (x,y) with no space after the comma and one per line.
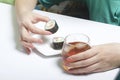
(27,45)
(84,63)
(28,51)
(36,30)
(25,36)
(30,39)
(82,56)
(85,70)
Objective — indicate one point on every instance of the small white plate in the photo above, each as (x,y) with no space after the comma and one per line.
(45,48)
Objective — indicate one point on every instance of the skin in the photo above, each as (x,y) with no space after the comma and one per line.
(99,58)
(26,19)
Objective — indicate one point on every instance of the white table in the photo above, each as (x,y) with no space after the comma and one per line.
(15,65)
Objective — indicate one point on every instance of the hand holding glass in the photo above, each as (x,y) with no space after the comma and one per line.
(74,44)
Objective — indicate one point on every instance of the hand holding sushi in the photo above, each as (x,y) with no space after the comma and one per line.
(26,20)
(99,58)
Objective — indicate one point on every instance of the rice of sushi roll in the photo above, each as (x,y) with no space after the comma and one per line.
(51,26)
(57,42)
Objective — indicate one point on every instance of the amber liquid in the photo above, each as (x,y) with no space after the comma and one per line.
(74,48)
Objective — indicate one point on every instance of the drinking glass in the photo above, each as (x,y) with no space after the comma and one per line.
(74,43)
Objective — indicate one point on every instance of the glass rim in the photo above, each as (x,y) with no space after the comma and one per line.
(77,34)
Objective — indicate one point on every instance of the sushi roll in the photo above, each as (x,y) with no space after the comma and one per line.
(51,26)
(57,42)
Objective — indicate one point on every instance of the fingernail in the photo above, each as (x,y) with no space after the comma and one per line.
(69,59)
(31,46)
(40,41)
(65,68)
(28,51)
(48,32)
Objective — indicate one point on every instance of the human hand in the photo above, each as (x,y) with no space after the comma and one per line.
(99,58)
(26,23)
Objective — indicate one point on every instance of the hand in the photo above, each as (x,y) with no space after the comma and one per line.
(97,59)
(26,23)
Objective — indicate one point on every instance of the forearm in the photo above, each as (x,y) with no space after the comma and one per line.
(24,6)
